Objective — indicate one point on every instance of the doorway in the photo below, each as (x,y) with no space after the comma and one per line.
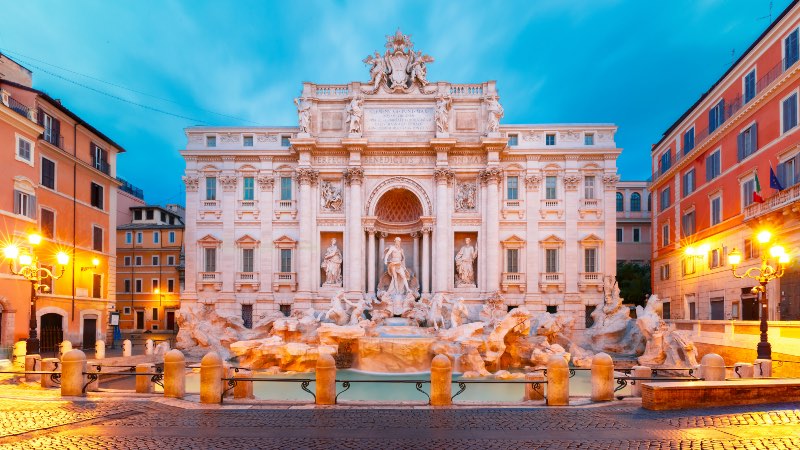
(51,334)
(89,332)
(750,308)
(171,320)
(140,320)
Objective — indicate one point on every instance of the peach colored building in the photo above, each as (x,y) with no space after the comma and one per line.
(633,222)
(58,181)
(705,170)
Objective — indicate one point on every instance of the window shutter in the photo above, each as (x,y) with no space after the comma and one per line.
(17,195)
(796,174)
(32,207)
(708,169)
(57,132)
(782,174)
(754,138)
(740,138)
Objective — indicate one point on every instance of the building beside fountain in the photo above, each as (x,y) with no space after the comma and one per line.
(400,187)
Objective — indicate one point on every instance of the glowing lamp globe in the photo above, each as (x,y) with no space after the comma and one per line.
(62,258)
(704,249)
(764,236)
(784,259)
(11,252)
(734,257)
(776,251)
(690,251)
(35,239)
(95,262)
(25,260)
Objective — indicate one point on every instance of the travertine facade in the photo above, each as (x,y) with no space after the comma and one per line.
(399,156)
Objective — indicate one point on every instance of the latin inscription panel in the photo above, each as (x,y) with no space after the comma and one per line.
(399,119)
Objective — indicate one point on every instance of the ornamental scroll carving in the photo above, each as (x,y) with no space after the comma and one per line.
(491,175)
(266,182)
(443,175)
(571,182)
(610,181)
(306,175)
(466,196)
(533,182)
(191,182)
(228,182)
(267,138)
(229,138)
(353,175)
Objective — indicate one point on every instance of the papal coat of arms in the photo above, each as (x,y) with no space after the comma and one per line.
(400,68)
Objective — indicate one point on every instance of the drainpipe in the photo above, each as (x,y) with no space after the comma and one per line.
(74,208)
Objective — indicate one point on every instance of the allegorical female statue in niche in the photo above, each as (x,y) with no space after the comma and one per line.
(332,264)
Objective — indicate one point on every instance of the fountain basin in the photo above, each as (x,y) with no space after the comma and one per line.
(394,354)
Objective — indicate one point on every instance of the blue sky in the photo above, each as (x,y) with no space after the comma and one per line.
(636,63)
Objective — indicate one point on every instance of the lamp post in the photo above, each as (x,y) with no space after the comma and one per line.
(27,265)
(763,275)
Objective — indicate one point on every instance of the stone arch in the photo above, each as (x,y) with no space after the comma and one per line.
(399,182)
(398,206)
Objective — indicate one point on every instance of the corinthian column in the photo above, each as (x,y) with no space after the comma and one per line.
(190,236)
(491,177)
(442,177)
(305,177)
(426,256)
(371,260)
(354,176)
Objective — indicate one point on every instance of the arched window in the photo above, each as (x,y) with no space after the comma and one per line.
(649,202)
(620,202)
(636,202)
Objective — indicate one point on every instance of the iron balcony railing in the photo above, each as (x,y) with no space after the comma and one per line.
(130,189)
(101,164)
(19,108)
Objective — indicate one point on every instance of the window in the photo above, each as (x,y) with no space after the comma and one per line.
(620,202)
(649,202)
(716,116)
(665,235)
(138,285)
(286,260)
(550,187)
(713,165)
(127,261)
(126,285)
(688,223)
(747,142)
(716,210)
(97,195)
(128,237)
(100,159)
(211,141)
(149,214)
(97,239)
(512,260)
(688,265)
(210,260)
(48,173)
(248,188)
(285,141)
(139,237)
(163,216)
(790,50)
(751,249)
(156,237)
(247,259)
(155,313)
(52,128)
(619,234)
(590,260)
(154,284)
(588,187)
(211,188)
(664,272)
(749,85)
(666,199)
(550,139)
(248,141)
(24,150)
(789,113)
(137,214)
(688,182)
(789,172)
(513,140)
(551,260)
(171,238)
(665,161)
(285,309)
(688,141)
(637,235)
(588,139)
(551,309)
(636,202)
(47,223)
(24,204)
(247,316)
(715,259)
(155,260)
(748,189)
(512,188)
(692,311)
(97,285)
(170,285)
(286,188)
(170,260)
(138,260)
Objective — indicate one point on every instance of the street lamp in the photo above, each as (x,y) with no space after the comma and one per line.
(27,266)
(763,275)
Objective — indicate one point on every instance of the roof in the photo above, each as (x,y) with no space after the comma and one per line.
(149,226)
(724,75)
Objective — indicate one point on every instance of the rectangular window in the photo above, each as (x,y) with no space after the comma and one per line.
(590,260)
(619,234)
(789,171)
(248,141)
(665,235)
(156,237)
(716,210)
(48,173)
(286,260)
(138,260)
(688,265)
(97,195)
(666,199)
(137,214)
(551,260)
(171,238)
(692,311)
(550,187)
(138,285)
(588,187)
(248,188)
(749,85)
(24,150)
(713,165)
(247,259)
(211,188)
(688,182)
(155,314)
(637,235)
(155,260)
(688,224)
(285,141)
(551,309)
(52,128)
(170,285)
(688,141)
(139,237)
(97,285)
(715,258)
(791,51)
(286,188)
(512,188)
(211,141)
(47,223)
(100,159)
(128,237)
(513,140)
(210,260)
(127,261)
(170,260)
(716,116)
(126,285)
(550,139)
(97,239)
(789,113)
(588,139)
(247,315)
(747,142)
(24,204)
(748,188)
(154,285)
(751,249)
(665,161)
(512,260)
(664,272)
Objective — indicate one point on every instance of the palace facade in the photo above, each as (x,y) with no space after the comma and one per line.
(281,218)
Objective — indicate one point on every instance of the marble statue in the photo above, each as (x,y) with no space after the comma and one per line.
(338,311)
(303,114)
(466,196)
(417,70)
(400,68)
(355,112)
(465,260)
(494,309)
(357,314)
(442,113)
(435,315)
(330,196)
(377,73)
(395,262)
(332,264)
(459,313)
(496,113)
(613,331)
(664,347)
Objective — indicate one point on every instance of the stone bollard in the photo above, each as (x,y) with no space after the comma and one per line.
(326,380)
(211,378)
(243,389)
(530,392)
(127,347)
(32,365)
(143,383)
(713,367)
(49,365)
(557,381)
(743,370)
(20,349)
(640,372)
(174,374)
(441,381)
(94,386)
(148,347)
(763,368)
(64,347)
(602,378)
(73,365)
(99,350)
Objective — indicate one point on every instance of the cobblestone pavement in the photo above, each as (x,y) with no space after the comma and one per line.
(125,424)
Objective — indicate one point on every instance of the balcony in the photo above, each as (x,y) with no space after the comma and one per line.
(130,189)
(54,139)
(590,206)
(18,107)
(211,280)
(280,279)
(551,280)
(514,280)
(775,203)
(288,207)
(210,209)
(551,206)
(101,165)
(515,207)
(247,207)
(590,279)
(247,282)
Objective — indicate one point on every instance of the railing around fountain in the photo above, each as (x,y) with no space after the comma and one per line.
(417,383)
(536,385)
(232,382)
(92,376)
